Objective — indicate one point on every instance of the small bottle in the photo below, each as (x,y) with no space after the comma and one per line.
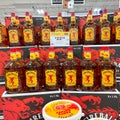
(3,36)
(33,73)
(107,71)
(70,71)
(89,30)
(60,25)
(73,30)
(28,31)
(105,29)
(117,28)
(114,27)
(51,71)
(14,74)
(14,32)
(45,31)
(88,71)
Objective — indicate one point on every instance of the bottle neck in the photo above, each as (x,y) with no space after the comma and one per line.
(73,19)
(105,17)
(89,18)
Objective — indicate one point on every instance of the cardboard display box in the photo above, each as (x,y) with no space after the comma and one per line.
(96,104)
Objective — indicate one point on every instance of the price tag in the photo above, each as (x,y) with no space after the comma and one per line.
(59,39)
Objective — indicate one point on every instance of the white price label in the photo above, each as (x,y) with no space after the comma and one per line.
(59,39)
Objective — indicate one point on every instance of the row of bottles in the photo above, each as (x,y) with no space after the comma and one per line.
(51,75)
(102,33)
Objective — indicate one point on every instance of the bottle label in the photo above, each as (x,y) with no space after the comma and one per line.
(87,55)
(46,35)
(51,77)
(70,77)
(73,34)
(89,34)
(51,55)
(13,36)
(0,36)
(32,56)
(31,78)
(105,34)
(107,78)
(28,35)
(58,30)
(118,33)
(88,78)
(70,55)
(12,80)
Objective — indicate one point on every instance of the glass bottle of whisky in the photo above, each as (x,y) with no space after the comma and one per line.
(70,71)
(105,29)
(14,74)
(89,30)
(107,71)
(88,71)
(73,30)
(33,73)
(51,71)
(13,32)
(28,31)
(45,31)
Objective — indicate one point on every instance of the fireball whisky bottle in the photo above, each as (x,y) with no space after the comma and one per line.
(73,30)
(60,25)
(89,30)
(70,71)
(28,31)
(33,73)
(3,36)
(88,71)
(105,30)
(51,71)
(107,71)
(14,74)
(14,32)
(45,31)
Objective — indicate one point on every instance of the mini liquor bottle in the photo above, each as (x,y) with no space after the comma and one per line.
(117,28)
(51,71)
(14,32)
(45,31)
(28,31)
(105,29)
(88,71)
(60,25)
(114,27)
(14,74)
(70,71)
(33,73)
(89,30)
(73,30)
(107,71)
(3,36)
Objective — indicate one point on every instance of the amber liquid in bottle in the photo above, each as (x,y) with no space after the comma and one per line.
(70,72)
(73,30)
(33,73)
(107,71)
(51,72)
(88,72)
(28,31)
(14,75)
(105,30)
(45,31)
(14,32)
(3,36)
(89,30)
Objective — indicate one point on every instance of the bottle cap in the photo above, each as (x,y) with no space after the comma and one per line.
(32,49)
(36,49)
(27,13)
(60,14)
(13,14)
(115,13)
(90,12)
(13,50)
(16,17)
(30,16)
(87,49)
(104,48)
(118,9)
(18,49)
(51,49)
(105,10)
(73,14)
(70,48)
(45,14)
